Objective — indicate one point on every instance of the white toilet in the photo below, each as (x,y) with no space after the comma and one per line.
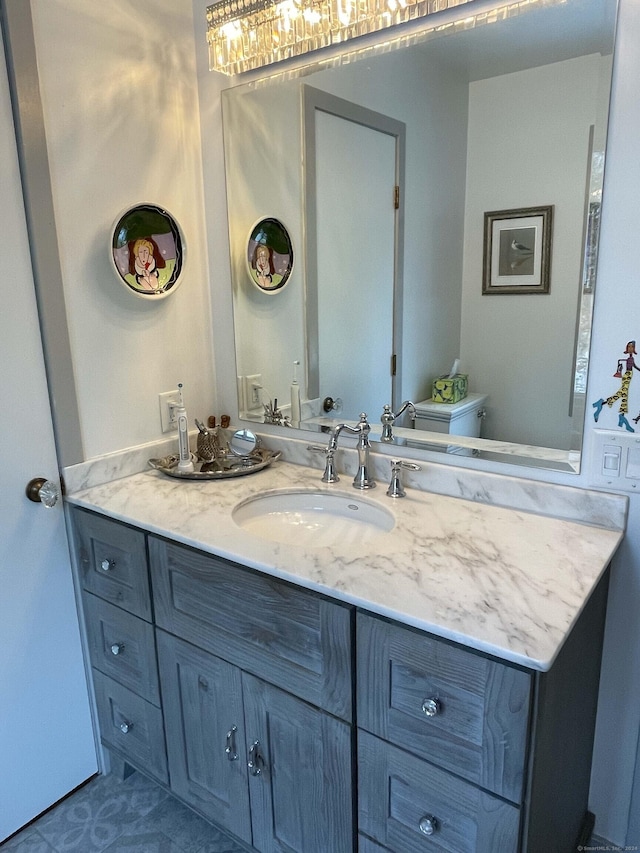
(463,418)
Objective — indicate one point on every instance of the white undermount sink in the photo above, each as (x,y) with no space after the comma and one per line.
(313,518)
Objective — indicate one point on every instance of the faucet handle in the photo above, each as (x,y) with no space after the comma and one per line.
(330,474)
(396,489)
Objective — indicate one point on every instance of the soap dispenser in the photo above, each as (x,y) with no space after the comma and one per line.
(295,396)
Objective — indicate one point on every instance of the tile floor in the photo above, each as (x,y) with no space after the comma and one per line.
(111,816)
(134,816)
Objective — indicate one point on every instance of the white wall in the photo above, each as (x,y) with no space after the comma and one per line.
(617,315)
(121,118)
(515,161)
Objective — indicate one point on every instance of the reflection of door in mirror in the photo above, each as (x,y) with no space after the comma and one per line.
(355,154)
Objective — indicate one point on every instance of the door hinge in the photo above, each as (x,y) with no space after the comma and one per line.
(393,364)
(396,197)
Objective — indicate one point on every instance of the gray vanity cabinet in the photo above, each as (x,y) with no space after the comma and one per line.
(464,712)
(250,668)
(206,743)
(458,751)
(279,632)
(255,688)
(301,800)
(254,759)
(112,561)
(444,732)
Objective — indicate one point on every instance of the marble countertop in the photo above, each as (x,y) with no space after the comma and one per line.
(509,582)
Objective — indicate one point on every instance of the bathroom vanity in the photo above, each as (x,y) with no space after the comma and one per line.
(435,689)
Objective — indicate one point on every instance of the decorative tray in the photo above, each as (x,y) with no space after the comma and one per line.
(225,466)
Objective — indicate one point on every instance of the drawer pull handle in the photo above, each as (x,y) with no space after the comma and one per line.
(256,763)
(107,565)
(125,727)
(230,748)
(428,825)
(431,707)
(117,648)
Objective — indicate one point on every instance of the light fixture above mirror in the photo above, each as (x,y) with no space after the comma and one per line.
(247,34)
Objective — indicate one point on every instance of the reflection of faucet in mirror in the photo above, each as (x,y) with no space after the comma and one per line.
(362,480)
(388,418)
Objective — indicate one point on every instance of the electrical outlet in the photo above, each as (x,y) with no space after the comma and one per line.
(169,401)
(253,391)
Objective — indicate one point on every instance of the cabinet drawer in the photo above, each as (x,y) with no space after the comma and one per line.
(409,806)
(131,726)
(122,646)
(288,636)
(113,561)
(462,711)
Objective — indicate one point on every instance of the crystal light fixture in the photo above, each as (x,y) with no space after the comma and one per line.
(248,34)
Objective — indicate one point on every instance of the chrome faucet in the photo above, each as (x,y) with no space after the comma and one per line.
(362,480)
(388,418)
(330,474)
(396,489)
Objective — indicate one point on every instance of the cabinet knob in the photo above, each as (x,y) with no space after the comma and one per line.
(230,748)
(428,824)
(117,648)
(125,726)
(256,763)
(107,565)
(431,706)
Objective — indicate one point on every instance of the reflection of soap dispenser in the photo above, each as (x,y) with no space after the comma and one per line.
(295,396)
(184,464)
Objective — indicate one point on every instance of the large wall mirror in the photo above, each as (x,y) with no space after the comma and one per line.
(382,166)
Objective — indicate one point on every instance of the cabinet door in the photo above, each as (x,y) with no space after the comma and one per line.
(202,701)
(300,783)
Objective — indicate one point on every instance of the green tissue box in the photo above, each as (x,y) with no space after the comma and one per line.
(450,389)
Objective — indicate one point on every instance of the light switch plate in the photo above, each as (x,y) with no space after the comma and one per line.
(615,460)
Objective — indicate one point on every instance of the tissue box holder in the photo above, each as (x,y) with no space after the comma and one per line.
(450,389)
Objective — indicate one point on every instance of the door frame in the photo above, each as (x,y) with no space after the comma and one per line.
(313,101)
(26,103)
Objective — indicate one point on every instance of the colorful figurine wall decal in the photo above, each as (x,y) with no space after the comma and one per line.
(147,251)
(626,366)
(269,255)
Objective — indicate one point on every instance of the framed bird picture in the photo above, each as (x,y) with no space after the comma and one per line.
(517,250)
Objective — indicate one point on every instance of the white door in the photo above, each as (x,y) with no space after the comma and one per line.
(46,739)
(356,175)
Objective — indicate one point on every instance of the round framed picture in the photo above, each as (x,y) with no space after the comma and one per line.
(269,255)
(148,251)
